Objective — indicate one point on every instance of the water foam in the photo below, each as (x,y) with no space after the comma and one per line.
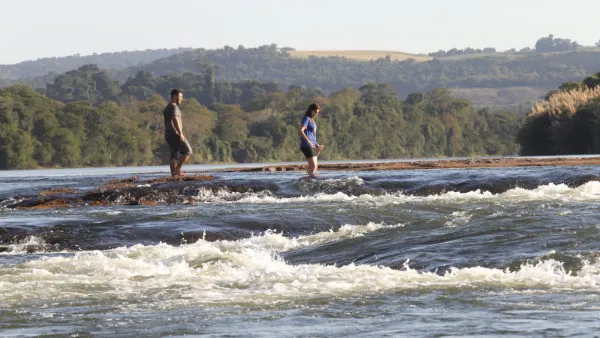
(27,245)
(329,184)
(251,271)
(589,191)
(458,218)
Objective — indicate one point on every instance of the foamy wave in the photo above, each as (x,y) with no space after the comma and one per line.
(279,243)
(459,218)
(589,191)
(329,184)
(9,201)
(251,271)
(204,195)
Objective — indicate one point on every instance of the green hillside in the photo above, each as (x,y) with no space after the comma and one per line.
(118,60)
(488,78)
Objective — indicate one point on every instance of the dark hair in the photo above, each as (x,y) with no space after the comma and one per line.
(311,108)
(176,92)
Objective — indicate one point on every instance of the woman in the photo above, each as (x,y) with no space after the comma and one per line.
(308,138)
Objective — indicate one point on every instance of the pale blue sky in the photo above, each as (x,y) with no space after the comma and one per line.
(31,29)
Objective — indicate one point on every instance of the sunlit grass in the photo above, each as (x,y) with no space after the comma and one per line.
(565,101)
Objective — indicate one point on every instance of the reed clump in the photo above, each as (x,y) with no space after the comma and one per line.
(565,101)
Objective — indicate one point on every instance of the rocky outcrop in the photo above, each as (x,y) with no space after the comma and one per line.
(131,191)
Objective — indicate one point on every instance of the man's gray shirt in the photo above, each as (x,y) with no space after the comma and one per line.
(171,110)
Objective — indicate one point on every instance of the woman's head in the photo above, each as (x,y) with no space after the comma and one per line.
(312,110)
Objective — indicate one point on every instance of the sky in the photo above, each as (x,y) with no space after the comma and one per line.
(32,29)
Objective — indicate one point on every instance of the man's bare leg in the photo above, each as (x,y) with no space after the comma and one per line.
(179,164)
(173,165)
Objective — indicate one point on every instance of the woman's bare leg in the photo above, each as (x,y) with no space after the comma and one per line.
(312,166)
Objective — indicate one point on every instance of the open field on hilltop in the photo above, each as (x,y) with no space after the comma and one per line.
(361,55)
(367,55)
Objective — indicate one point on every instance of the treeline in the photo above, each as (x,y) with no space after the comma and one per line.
(103,123)
(454,51)
(95,85)
(566,122)
(550,44)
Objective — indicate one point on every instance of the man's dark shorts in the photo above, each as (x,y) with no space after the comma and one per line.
(178,147)
(309,152)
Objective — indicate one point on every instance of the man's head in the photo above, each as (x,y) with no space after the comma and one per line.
(176,96)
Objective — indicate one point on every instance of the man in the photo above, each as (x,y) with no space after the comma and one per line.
(180,147)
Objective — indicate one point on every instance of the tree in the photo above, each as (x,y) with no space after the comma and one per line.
(567,123)
(16,148)
(44,130)
(568,86)
(592,81)
(199,124)
(141,86)
(67,148)
(230,126)
(87,83)
(550,44)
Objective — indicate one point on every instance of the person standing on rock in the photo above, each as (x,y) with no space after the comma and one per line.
(180,147)
(308,138)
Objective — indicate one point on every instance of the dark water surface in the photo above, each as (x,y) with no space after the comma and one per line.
(454,252)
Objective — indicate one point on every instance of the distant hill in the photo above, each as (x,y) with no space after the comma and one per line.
(117,60)
(489,79)
(495,79)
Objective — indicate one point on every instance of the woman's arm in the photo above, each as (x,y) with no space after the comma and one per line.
(303,135)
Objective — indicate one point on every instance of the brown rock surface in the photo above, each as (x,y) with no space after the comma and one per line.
(56,191)
(130,190)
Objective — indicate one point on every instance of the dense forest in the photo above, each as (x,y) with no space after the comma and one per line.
(487,77)
(87,118)
(566,122)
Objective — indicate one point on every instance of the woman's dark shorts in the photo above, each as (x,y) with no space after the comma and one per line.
(178,147)
(309,152)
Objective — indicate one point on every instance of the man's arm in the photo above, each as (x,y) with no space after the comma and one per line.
(177,124)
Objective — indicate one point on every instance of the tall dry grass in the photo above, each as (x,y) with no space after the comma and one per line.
(565,101)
